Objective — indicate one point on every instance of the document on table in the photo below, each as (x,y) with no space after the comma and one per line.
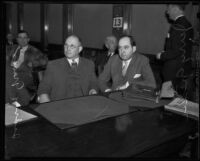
(183,106)
(15,115)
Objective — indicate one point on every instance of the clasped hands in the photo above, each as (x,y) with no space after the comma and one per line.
(158,55)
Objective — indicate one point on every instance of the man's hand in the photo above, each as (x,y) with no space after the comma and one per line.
(92,91)
(43,98)
(108,90)
(124,86)
(158,55)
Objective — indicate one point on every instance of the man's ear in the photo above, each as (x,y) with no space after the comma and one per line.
(80,49)
(134,49)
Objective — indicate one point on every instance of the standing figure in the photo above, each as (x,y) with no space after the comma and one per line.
(176,57)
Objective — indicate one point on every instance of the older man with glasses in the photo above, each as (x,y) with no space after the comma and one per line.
(71,76)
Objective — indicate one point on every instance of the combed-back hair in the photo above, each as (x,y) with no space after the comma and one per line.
(23,31)
(132,40)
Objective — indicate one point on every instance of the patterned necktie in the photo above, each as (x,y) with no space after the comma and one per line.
(16,56)
(124,68)
(74,65)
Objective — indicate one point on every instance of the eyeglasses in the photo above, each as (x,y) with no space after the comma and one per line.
(70,46)
(22,37)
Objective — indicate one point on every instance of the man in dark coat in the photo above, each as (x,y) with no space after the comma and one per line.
(71,76)
(126,68)
(24,58)
(176,57)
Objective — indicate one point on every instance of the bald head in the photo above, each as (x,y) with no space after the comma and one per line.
(72,47)
(111,43)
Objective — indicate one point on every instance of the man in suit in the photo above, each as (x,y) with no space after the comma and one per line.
(176,57)
(126,68)
(24,58)
(71,76)
(111,49)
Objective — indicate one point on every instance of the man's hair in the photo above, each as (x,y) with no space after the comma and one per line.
(79,39)
(132,40)
(23,31)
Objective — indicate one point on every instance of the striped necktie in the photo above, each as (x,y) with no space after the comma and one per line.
(124,68)
(74,65)
(16,56)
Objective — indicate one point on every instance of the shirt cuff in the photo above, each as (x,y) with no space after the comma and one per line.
(16,104)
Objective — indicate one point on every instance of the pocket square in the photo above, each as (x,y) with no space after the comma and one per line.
(137,76)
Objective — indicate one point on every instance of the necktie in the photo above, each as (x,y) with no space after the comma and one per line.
(74,65)
(124,68)
(16,56)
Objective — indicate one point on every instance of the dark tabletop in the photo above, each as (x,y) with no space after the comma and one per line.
(141,133)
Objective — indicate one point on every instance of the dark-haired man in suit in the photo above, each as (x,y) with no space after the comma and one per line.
(126,68)
(71,76)
(178,46)
(24,58)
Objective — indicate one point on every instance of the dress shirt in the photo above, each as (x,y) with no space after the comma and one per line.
(21,56)
(73,61)
(125,65)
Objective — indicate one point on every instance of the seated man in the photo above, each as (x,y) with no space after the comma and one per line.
(126,68)
(71,76)
(24,58)
(111,49)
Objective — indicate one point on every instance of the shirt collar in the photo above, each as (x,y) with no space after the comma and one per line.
(110,53)
(127,62)
(178,17)
(23,48)
(71,60)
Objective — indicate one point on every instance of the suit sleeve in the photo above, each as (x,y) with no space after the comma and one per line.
(105,76)
(38,58)
(147,78)
(46,83)
(23,96)
(93,78)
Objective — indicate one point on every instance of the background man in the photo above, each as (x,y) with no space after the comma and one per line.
(111,49)
(72,76)
(24,58)
(178,46)
(126,68)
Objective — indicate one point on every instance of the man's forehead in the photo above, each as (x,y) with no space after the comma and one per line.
(22,34)
(72,40)
(124,41)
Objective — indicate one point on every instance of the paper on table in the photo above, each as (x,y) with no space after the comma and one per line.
(81,110)
(11,113)
(184,106)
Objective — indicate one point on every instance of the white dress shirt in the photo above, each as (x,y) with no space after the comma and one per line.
(73,60)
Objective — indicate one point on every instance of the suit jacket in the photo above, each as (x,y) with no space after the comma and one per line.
(178,49)
(32,58)
(59,78)
(138,65)
(13,89)
(102,59)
